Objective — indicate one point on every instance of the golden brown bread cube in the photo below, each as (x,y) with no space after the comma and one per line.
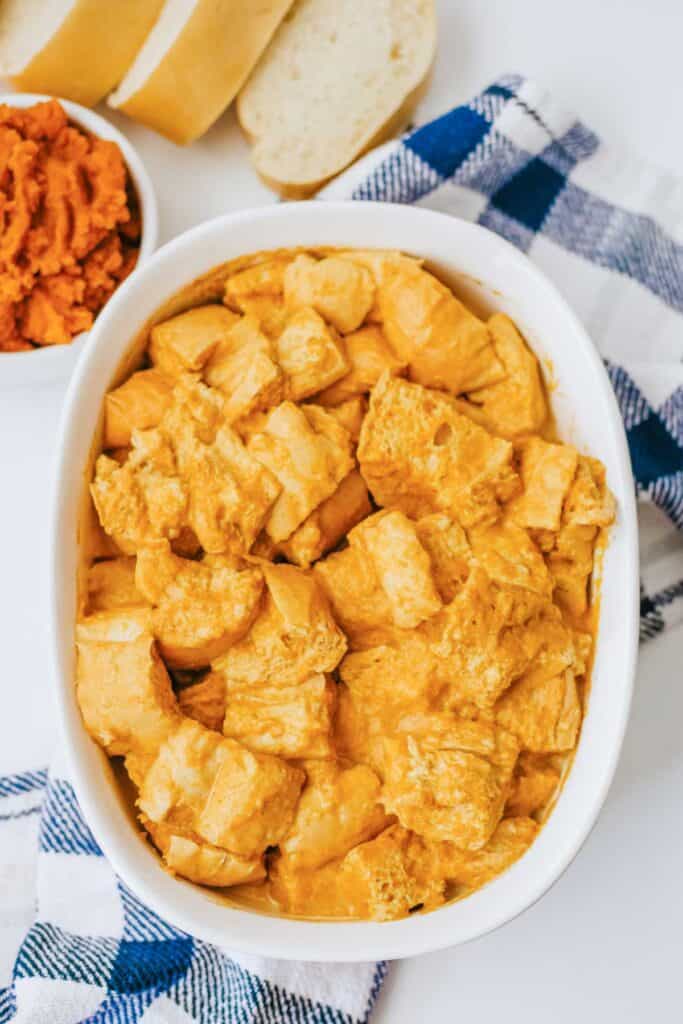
(447,778)
(510,558)
(309,454)
(309,354)
(589,501)
(200,607)
(244,368)
(328,523)
(201,862)
(547,471)
(123,689)
(289,721)
(138,404)
(369,356)
(341,291)
(350,415)
(258,291)
(203,784)
(185,342)
(474,868)
(293,637)
(205,701)
(449,552)
(571,563)
(111,585)
(419,454)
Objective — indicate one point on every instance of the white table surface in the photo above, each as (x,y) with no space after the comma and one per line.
(606,943)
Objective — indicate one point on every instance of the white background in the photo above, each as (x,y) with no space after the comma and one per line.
(606,944)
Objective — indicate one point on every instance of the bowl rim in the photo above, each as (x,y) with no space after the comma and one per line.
(51,359)
(287,938)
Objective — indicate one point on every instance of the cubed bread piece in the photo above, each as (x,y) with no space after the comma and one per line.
(111,585)
(472,869)
(309,454)
(516,405)
(447,778)
(115,625)
(449,552)
(259,290)
(350,415)
(444,344)
(417,453)
(143,499)
(369,356)
(138,404)
(547,471)
(205,701)
(123,691)
(341,291)
(293,637)
(509,557)
(338,809)
(571,563)
(309,353)
(200,608)
(203,784)
(243,367)
(185,342)
(589,501)
(535,784)
(373,881)
(290,721)
(329,522)
(201,862)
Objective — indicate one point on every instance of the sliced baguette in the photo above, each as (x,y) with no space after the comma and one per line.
(194,62)
(338,77)
(76,49)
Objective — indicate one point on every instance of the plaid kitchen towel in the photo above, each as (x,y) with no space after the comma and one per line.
(607,229)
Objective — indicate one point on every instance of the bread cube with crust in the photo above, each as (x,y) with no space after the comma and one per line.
(509,557)
(419,454)
(309,454)
(444,344)
(338,810)
(449,552)
(186,342)
(547,471)
(204,701)
(309,354)
(342,292)
(571,563)
(515,405)
(111,585)
(202,784)
(350,415)
(589,501)
(329,522)
(293,637)
(447,778)
(290,721)
(474,868)
(122,685)
(201,862)
(138,404)
(200,607)
(243,367)
(369,356)
(259,291)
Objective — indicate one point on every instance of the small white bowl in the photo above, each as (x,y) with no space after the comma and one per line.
(495,275)
(55,362)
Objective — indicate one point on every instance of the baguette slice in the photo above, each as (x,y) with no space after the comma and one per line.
(77,49)
(194,62)
(338,77)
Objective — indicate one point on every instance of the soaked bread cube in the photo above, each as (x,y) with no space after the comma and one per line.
(310,354)
(338,810)
(589,501)
(205,701)
(186,342)
(122,686)
(417,453)
(547,471)
(201,862)
(293,637)
(203,784)
(444,344)
(571,563)
(515,405)
(341,291)
(535,784)
(111,585)
(243,367)
(509,557)
(138,404)
(329,522)
(369,356)
(387,682)
(309,454)
(449,552)
(290,721)
(472,869)
(447,778)
(200,608)
(258,291)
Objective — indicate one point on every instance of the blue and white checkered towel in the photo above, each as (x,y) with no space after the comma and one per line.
(607,229)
